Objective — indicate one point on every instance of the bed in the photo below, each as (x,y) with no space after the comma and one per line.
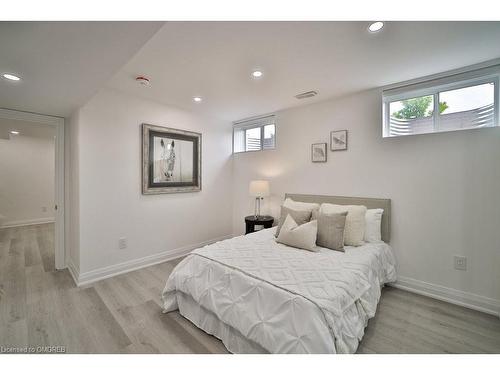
(260,296)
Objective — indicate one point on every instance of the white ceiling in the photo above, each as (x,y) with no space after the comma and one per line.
(215,59)
(26,129)
(64,63)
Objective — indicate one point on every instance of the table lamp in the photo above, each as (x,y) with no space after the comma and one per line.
(258,189)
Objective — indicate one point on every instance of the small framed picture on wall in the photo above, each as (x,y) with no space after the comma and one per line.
(318,152)
(338,140)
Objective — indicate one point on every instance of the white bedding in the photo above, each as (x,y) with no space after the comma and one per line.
(283,299)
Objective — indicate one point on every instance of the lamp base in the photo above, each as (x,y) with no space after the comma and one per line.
(257,207)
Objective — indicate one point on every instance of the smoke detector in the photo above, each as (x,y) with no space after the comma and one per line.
(308,94)
(143,80)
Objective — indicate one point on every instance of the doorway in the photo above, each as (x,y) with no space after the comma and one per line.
(39,141)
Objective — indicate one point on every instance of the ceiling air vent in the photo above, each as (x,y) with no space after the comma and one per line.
(308,94)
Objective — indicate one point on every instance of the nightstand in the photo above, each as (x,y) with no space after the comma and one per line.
(252,221)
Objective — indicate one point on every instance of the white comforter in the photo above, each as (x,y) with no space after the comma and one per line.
(286,300)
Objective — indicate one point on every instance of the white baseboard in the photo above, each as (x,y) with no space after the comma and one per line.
(89,277)
(457,297)
(73,270)
(454,296)
(21,223)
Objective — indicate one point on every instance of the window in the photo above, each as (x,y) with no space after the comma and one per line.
(450,103)
(254,135)
(253,139)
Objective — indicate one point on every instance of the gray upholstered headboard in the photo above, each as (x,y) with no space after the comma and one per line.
(368,202)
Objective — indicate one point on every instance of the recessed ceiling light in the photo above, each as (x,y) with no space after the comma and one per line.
(257,74)
(14,132)
(375,26)
(197,99)
(11,77)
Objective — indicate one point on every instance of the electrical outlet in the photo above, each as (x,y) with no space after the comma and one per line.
(122,243)
(44,209)
(460,262)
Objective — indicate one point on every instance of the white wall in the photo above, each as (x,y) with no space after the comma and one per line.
(72,198)
(27,179)
(445,188)
(108,180)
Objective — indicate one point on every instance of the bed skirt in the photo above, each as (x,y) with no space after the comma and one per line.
(233,340)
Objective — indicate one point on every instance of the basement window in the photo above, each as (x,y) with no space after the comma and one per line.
(254,134)
(455,102)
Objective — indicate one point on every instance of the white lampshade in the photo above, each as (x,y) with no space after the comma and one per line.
(259,188)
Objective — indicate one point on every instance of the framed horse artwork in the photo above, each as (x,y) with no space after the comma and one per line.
(171,160)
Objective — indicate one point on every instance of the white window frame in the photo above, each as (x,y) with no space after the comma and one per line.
(434,87)
(252,123)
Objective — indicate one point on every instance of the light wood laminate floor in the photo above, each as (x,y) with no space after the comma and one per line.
(42,307)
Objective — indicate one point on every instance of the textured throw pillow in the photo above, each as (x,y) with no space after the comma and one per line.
(355,221)
(373,225)
(300,217)
(330,230)
(299,236)
(300,206)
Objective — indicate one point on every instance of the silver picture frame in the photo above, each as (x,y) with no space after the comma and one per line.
(319,152)
(168,183)
(338,140)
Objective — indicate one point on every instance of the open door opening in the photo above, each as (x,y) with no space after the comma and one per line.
(32,187)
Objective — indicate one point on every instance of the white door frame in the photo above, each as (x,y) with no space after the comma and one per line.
(58,122)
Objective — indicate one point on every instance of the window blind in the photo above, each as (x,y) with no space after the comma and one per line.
(255,134)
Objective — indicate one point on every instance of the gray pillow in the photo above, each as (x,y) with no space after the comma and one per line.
(330,229)
(300,217)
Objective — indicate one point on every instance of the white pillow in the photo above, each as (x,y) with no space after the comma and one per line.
(354,231)
(300,236)
(373,225)
(300,206)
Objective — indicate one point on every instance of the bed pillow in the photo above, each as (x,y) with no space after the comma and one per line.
(299,236)
(300,206)
(373,225)
(354,232)
(330,230)
(300,217)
